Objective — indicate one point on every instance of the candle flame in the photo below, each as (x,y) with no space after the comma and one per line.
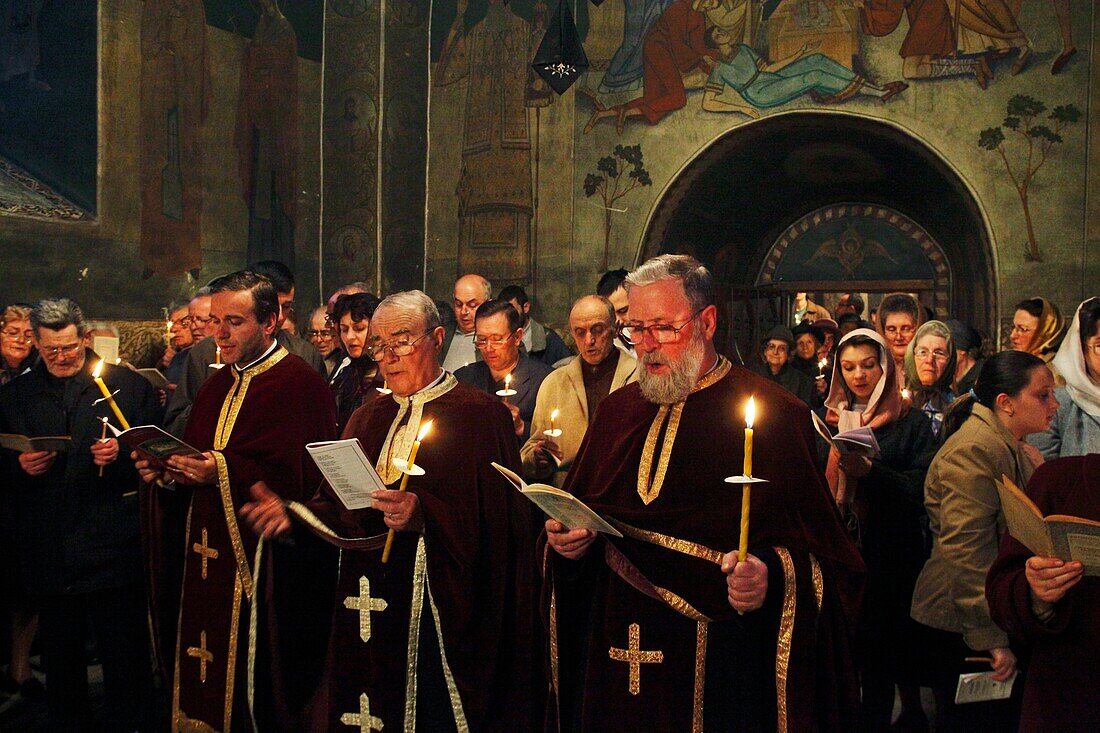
(750,412)
(905,394)
(98,370)
(823,363)
(554,415)
(424,430)
(508,381)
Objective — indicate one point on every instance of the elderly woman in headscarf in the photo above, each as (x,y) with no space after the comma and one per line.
(882,499)
(1075,430)
(1037,328)
(930,369)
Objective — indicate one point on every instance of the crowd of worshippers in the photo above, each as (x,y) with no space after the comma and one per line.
(234,588)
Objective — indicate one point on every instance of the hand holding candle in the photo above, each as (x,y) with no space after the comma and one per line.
(108,396)
(743,545)
(410,465)
(103,438)
(507,391)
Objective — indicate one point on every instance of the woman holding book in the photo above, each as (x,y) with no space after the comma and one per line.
(1053,606)
(983,436)
(930,369)
(1075,430)
(882,498)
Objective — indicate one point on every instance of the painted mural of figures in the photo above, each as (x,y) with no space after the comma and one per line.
(174,98)
(1065,28)
(949,37)
(673,48)
(266,136)
(743,82)
(495,195)
(624,74)
(19,45)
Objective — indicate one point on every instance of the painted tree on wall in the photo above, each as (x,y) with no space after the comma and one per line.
(611,184)
(1029,143)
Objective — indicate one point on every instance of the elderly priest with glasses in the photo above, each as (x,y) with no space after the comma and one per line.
(439,631)
(663,628)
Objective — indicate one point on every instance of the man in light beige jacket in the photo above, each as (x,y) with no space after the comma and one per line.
(575,391)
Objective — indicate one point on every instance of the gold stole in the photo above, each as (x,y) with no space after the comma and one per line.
(194,653)
(400,438)
(649,484)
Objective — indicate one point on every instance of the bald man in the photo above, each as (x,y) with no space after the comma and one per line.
(470,291)
(576,390)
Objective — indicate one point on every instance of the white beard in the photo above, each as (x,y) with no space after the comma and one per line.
(678,383)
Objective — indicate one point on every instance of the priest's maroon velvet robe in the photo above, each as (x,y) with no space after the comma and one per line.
(465,586)
(642,635)
(238,594)
(1060,688)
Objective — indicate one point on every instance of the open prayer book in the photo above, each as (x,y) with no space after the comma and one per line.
(981,687)
(155,377)
(347,471)
(559,505)
(860,441)
(154,444)
(23,444)
(1059,535)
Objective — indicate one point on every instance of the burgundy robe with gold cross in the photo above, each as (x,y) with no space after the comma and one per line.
(247,652)
(445,635)
(642,635)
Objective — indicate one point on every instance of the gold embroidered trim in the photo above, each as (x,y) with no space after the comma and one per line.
(231,655)
(621,566)
(685,547)
(243,571)
(783,646)
(452,689)
(819,582)
(202,654)
(253,634)
(400,445)
(546,570)
(416,609)
(363,720)
(179,720)
(635,656)
(304,514)
(231,407)
(183,724)
(650,491)
(700,676)
(365,605)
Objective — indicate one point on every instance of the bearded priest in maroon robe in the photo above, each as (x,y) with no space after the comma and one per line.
(248,650)
(442,635)
(663,629)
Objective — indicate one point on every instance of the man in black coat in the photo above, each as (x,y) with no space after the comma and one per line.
(77,530)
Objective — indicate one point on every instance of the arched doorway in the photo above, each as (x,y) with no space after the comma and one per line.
(741,203)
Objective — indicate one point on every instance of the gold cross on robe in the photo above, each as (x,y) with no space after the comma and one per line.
(364,604)
(205,657)
(208,553)
(363,718)
(635,657)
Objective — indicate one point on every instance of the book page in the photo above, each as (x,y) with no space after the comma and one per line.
(347,471)
(822,429)
(23,444)
(1077,540)
(511,475)
(567,509)
(106,347)
(155,377)
(1025,523)
(980,687)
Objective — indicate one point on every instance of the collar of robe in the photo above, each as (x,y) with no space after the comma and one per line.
(403,432)
(649,489)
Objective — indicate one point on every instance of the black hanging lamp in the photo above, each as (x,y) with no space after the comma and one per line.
(560,59)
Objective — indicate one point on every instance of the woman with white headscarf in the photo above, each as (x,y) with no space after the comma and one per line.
(1075,430)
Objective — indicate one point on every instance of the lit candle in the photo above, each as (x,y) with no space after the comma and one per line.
(821,367)
(168,332)
(746,489)
(218,356)
(385,388)
(905,394)
(405,481)
(553,419)
(103,439)
(108,396)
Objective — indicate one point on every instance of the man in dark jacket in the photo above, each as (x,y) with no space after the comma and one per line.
(76,514)
(542,343)
(775,365)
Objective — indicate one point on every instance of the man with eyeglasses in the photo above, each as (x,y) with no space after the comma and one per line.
(204,353)
(639,618)
(322,334)
(443,635)
(179,344)
(498,334)
(198,315)
(75,521)
(210,578)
